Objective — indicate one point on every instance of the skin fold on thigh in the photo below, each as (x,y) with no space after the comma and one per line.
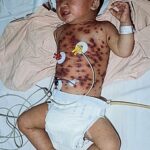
(101,132)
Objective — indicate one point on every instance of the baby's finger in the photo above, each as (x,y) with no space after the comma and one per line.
(114,12)
(119,5)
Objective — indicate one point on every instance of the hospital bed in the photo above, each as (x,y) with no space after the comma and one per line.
(127,90)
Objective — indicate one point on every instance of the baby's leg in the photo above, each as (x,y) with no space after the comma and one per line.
(103,135)
(32,124)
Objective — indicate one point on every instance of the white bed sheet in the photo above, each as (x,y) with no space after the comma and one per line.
(132,123)
(13,100)
(13,9)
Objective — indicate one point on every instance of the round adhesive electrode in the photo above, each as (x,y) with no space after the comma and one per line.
(83,45)
(59,86)
(62,59)
(73,82)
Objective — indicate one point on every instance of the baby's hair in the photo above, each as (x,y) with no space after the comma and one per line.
(101,3)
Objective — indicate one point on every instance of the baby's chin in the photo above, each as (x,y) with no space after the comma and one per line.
(68,22)
(71,21)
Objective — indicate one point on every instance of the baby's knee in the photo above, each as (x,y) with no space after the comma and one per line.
(22,122)
(109,143)
(114,144)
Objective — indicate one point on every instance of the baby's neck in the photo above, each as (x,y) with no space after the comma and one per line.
(82,22)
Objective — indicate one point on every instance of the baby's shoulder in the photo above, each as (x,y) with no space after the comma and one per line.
(105,24)
(58,31)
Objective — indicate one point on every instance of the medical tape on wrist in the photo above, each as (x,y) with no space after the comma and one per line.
(126,29)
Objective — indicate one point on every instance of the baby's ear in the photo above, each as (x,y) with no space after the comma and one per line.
(95,4)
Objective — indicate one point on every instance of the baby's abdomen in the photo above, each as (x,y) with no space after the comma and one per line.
(79,82)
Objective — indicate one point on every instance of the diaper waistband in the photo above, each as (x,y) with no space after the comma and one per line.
(68,98)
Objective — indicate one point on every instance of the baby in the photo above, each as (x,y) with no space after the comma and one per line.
(76,112)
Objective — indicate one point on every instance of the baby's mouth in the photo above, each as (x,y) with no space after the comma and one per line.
(64,13)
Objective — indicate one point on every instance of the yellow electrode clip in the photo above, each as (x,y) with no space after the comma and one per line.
(80,48)
(77,49)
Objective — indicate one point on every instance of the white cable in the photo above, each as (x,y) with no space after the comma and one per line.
(125,103)
(93,73)
(11,118)
(51,4)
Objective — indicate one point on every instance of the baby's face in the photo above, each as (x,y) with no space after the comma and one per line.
(73,11)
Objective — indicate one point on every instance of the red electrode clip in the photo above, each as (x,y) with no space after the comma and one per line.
(57,56)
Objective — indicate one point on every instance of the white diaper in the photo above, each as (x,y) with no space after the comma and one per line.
(69,117)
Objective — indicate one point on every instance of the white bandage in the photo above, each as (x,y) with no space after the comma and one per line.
(126,29)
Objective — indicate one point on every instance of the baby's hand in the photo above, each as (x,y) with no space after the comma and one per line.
(121,11)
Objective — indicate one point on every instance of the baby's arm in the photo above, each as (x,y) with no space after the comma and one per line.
(121,43)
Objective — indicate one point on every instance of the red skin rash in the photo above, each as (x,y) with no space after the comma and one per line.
(76,66)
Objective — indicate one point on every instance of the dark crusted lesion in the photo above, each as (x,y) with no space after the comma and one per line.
(73,40)
(62,71)
(84,80)
(103,75)
(86,31)
(83,70)
(99,71)
(69,33)
(79,58)
(92,43)
(80,29)
(102,46)
(69,66)
(103,42)
(76,66)
(72,77)
(88,65)
(64,45)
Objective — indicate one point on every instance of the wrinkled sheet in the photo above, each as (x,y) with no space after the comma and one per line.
(26,51)
(138,63)
(132,123)
(27,48)
(12,9)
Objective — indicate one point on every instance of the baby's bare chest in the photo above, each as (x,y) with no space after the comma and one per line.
(86,55)
(94,37)
(88,40)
